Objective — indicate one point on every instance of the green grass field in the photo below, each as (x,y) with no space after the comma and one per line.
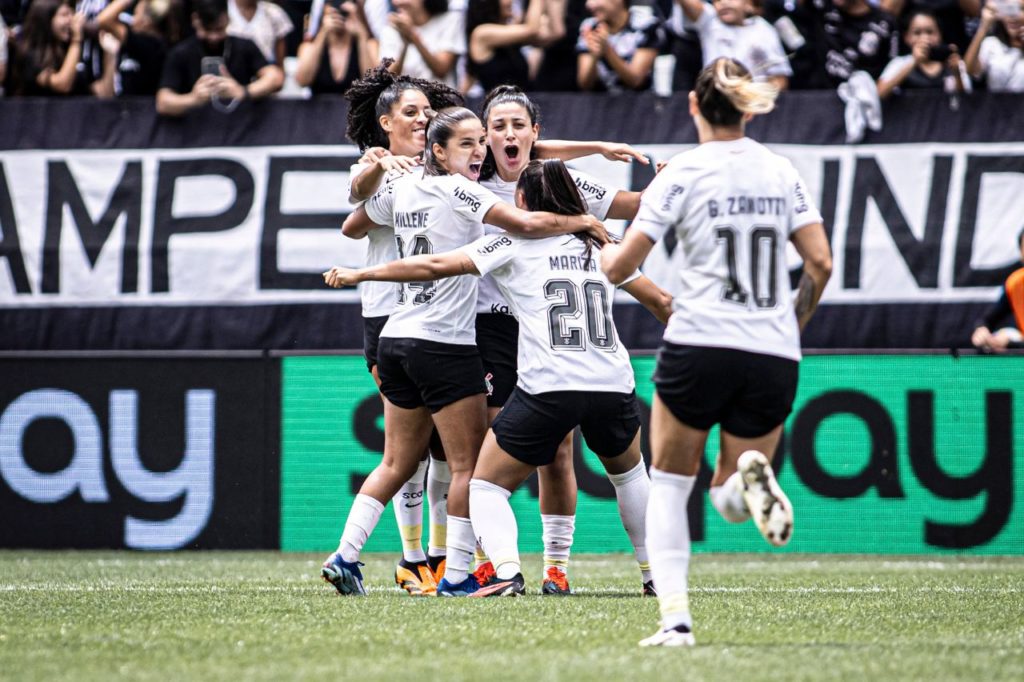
(268,616)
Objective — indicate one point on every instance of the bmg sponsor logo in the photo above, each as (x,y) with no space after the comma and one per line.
(467,198)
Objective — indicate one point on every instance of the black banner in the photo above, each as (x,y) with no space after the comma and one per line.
(154,453)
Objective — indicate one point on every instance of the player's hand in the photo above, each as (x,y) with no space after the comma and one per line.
(403,164)
(373,155)
(595,228)
(614,151)
(341,277)
(982,338)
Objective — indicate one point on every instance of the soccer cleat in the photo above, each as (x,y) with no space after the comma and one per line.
(555,582)
(648,590)
(415,578)
(344,575)
(768,505)
(677,636)
(437,565)
(485,574)
(513,587)
(464,589)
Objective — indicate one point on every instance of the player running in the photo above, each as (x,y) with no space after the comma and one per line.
(428,364)
(731,349)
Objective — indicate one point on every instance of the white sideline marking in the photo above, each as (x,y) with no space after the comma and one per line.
(282,589)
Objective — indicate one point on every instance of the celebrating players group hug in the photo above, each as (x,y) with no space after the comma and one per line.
(499,339)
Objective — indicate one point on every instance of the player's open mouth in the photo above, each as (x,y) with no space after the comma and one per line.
(512,152)
(475,167)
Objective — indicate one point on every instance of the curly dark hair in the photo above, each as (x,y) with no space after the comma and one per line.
(505,94)
(376,92)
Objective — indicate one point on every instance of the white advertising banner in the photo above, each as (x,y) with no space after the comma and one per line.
(922,223)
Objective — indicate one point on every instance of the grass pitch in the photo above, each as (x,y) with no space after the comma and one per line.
(268,616)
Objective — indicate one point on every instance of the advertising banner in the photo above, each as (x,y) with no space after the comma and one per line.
(882,454)
(149,453)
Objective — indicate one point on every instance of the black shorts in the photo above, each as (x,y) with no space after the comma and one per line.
(414,373)
(497,337)
(530,427)
(749,394)
(371,338)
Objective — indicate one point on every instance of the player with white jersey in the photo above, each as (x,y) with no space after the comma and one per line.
(573,371)
(428,364)
(393,111)
(732,347)
(512,122)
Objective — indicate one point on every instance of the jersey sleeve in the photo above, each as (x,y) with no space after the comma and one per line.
(661,206)
(597,194)
(380,207)
(804,211)
(492,251)
(470,201)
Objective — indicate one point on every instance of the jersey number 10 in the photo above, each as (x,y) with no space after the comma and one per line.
(763,242)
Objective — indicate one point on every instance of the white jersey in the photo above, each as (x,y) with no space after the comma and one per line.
(567,339)
(598,197)
(733,206)
(378,298)
(433,214)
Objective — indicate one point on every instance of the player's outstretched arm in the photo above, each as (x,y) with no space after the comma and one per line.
(357,225)
(538,224)
(567,150)
(653,297)
(619,261)
(412,269)
(811,243)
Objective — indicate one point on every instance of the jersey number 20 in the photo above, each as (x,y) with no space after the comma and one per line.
(570,306)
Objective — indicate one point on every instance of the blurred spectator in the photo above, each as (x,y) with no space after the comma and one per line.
(144,37)
(424,39)
(47,55)
(951,16)
(930,64)
(555,69)
(832,39)
(999,57)
(495,38)
(190,78)
(262,22)
(1011,301)
(341,51)
(731,30)
(12,12)
(3,53)
(617,47)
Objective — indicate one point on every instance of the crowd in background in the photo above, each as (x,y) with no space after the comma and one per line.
(187,53)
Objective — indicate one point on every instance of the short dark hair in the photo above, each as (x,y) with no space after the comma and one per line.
(439,131)
(209,11)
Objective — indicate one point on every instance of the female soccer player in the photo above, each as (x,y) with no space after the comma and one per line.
(428,364)
(732,347)
(513,126)
(572,368)
(390,110)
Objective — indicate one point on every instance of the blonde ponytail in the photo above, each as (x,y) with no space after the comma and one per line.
(726,92)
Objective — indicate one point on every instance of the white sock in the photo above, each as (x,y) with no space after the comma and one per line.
(668,540)
(461,541)
(728,499)
(495,525)
(557,533)
(439,479)
(408,505)
(362,519)
(632,490)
